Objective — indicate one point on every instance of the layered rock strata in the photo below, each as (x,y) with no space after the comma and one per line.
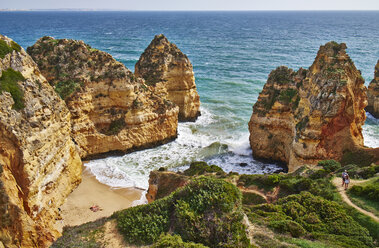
(304,116)
(111,109)
(169,73)
(39,165)
(373,94)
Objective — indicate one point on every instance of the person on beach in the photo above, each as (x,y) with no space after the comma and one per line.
(347,181)
(343,177)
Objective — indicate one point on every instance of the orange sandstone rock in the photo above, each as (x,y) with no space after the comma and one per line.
(373,94)
(39,164)
(169,73)
(306,116)
(112,110)
(163,183)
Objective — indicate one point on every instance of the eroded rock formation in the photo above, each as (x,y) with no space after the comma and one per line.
(111,109)
(306,116)
(39,165)
(169,73)
(163,183)
(373,94)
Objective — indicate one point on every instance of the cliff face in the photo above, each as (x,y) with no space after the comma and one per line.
(373,94)
(306,116)
(39,165)
(111,109)
(169,73)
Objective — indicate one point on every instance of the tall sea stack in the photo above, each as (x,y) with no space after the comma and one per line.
(169,74)
(373,94)
(39,165)
(112,110)
(304,116)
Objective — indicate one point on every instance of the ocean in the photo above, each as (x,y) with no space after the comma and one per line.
(232,54)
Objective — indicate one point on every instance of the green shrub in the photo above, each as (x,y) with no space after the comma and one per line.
(265,182)
(317,174)
(288,226)
(317,217)
(329,165)
(367,172)
(287,95)
(360,172)
(65,89)
(174,241)
(200,168)
(116,126)
(370,192)
(206,211)
(8,82)
(5,48)
(15,46)
(82,236)
(145,223)
(364,220)
(360,158)
(250,198)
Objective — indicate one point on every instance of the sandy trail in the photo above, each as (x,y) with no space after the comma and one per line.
(338,183)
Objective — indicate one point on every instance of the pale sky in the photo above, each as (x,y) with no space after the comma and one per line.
(194,4)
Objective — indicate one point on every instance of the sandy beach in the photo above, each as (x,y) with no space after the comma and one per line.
(76,209)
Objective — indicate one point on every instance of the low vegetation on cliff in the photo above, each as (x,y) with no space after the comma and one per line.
(9,82)
(5,48)
(300,209)
(206,211)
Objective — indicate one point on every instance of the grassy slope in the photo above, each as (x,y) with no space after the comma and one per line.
(280,223)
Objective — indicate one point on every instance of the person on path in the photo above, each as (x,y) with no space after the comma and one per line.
(343,177)
(347,181)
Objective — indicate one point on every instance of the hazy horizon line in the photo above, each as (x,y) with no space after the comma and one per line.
(179,10)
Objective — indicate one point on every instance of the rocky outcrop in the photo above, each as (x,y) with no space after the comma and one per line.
(163,183)
(112,110)
(39,165)
(169,73)
(304,116)
(373,94)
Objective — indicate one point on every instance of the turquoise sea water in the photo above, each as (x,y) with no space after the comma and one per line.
(232,54)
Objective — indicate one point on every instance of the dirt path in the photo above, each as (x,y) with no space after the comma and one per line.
(338,183)
(255,192)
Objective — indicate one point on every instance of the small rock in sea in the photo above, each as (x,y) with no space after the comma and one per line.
(243,164)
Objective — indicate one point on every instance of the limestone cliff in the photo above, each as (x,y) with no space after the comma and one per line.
(39,165)
(306,116)
(169,73)
(373,94)
(112,111)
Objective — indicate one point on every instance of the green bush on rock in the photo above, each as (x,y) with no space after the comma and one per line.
(9,82)
(206,211)
(66,89)
(5,48)
(200,168)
